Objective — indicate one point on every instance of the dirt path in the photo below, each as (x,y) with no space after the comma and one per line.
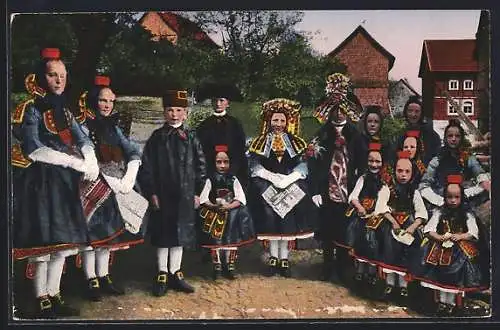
(251,296)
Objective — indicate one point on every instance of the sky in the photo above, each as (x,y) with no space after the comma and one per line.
(401,32)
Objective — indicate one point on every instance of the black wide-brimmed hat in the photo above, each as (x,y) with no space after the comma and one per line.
(219,89)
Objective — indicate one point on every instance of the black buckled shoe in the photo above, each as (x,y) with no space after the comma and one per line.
(45,309)
(61,308)
(285,268)
(217,271)
(229,271)
(108,287)
(178,283)
(160,284)
(445,310)
(272,266)
(94,290)
(403,296)
(388,292)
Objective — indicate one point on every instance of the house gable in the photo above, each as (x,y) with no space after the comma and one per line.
(361,31)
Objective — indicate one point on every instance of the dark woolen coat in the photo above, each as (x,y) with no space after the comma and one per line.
(173,168)
(225,130)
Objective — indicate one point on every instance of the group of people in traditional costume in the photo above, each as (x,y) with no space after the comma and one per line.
(397,211)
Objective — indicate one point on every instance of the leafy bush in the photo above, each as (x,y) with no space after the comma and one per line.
(198,114)
(393,127)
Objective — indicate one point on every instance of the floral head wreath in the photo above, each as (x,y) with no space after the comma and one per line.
(290,108)
(338,87)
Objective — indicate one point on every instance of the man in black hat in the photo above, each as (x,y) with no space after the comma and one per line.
(223,129)
(172,176)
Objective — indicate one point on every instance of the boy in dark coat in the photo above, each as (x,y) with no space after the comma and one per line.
(171,176)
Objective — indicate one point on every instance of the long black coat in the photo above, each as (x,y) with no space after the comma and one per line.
(173,168)
(229,131)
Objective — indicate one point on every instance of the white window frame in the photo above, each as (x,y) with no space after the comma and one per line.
(449,108)
(462,105)
(471,113)
(450,82)
(471,85)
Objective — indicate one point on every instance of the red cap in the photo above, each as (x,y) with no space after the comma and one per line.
(374,146)
(403,154)
(102,81)
(454,178)
(221,148)
(414,134)
(51,53)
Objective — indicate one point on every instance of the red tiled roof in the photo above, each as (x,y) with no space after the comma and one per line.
(449,56)
(184,27)
(374,42)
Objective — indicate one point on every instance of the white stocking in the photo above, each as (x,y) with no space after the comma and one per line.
(162,255)
(175,259)
(283,246)
(54,273)
(102,261)
(402,282)
(391,279)
(88,259)
(451,298)
(40,280)
(273,248)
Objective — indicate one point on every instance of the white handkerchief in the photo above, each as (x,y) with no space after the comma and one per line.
(132,206)
(403,237)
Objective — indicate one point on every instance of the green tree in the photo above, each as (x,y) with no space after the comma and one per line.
(298,72)
(250,39)
(142,66)
(80,37)
(31,33)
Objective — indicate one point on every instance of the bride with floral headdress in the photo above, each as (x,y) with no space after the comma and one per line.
(281,205)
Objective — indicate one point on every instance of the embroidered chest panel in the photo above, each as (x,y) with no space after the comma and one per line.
(109,153)
(50,125)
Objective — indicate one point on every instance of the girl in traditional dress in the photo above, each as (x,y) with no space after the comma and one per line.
(120,159)
(403,208)
(362,230)
(226,222)
(49,222)
(281,206)
(450,250)
(454,157)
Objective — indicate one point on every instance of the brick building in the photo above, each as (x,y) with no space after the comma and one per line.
(368,65)
(170,26)
(449,66)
